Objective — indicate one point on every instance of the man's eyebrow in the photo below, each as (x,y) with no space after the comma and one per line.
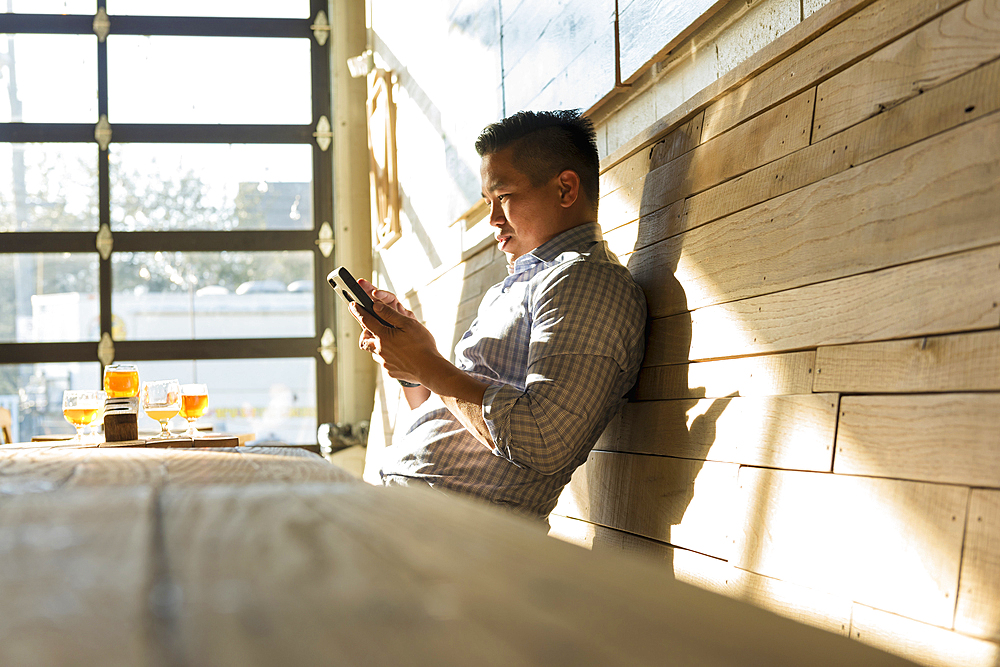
(495,185)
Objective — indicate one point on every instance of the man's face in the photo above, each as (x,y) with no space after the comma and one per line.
(525,216)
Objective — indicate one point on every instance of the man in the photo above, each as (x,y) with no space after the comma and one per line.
(554,348)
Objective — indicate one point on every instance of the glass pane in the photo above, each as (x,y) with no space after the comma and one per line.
(291,9)
(33,394)
(158,187)
(275,399)
(52,7)
(252,80)
(55,78)
(187,295)
(48,187)
(49,298)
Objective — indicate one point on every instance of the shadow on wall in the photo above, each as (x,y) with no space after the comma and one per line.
(641,477)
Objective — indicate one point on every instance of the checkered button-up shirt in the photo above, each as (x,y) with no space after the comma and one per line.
(560,342)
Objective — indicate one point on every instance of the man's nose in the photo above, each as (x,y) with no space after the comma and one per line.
(496,214)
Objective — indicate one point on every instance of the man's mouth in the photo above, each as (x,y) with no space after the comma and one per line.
(502,240)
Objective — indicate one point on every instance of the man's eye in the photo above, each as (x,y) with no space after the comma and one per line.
(500,198)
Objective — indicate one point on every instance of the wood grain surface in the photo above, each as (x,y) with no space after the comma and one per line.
(921,298)
(978,610)
(767,375)
(959,362)
(220,566)
(929,199)
(892,544)
(950,438)
(960,40)
(794,432)
(964,99)
(840,46)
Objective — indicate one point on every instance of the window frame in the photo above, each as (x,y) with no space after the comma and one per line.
(271,240)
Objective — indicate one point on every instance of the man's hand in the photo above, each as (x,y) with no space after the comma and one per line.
(404,351)
(408,352)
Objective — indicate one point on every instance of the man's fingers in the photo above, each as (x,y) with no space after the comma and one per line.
(366,319)
(390,314)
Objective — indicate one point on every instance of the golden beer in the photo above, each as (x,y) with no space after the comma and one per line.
(121,381)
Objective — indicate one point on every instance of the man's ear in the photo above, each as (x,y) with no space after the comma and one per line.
(569,188)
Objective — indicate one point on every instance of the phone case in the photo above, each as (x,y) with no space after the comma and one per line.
(344,284)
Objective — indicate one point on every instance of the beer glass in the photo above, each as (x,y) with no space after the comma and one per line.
(161,400)
(194,402)
(121,380)
(80,407)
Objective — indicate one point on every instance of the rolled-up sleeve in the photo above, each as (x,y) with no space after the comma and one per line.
(544,426)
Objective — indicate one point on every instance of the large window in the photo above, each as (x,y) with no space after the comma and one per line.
(165,199)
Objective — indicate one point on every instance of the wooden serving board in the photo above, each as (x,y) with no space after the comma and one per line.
(180,442)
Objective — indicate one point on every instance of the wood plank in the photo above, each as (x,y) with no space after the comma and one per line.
(774,134)
(815,608)
(922,298)
(74,585)
(794,432)
(949,438)
(380,574)
(819,609)
(768,375)
(978,612)
(649,29)
(834,50)
(930,199)
(681,502)
(34,470)
(818,22)
(690,567)
(295,469)
(669,148)
(120,467)
(922,643)
(893,544)
(962,362)
(960,40)
(964,99)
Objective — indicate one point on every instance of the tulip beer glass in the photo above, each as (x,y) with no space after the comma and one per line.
(161,400)
(80,407)
(194,402)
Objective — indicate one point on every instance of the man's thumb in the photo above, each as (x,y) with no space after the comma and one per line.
(388,314)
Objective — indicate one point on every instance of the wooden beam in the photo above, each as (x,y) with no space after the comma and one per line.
(76,577)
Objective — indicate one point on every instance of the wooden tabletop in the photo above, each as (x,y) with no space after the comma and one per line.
(272,556)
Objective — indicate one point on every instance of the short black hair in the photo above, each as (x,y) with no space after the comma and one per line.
(545,144)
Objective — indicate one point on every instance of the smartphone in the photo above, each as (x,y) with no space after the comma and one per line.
(344,283)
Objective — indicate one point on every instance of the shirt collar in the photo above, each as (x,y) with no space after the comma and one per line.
(577,238)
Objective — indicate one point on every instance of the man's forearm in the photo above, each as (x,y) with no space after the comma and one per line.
(463,395)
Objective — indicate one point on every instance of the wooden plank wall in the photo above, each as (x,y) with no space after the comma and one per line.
(816,427)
